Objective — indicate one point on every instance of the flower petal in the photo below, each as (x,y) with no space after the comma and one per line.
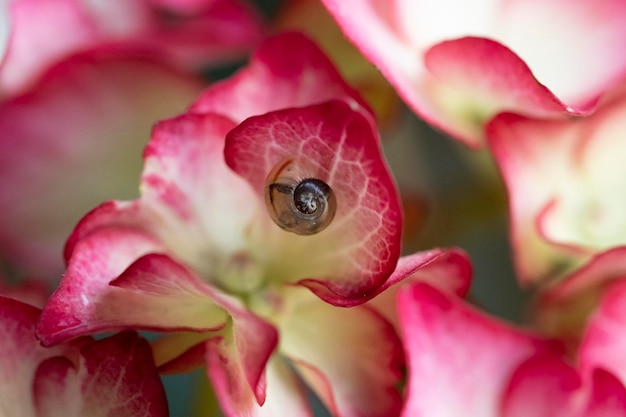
(457,353)
(271,82)
(153,293)
(20,355)
(204,210)
(333,142)
(535,159)
(220,30)
(76,304)
(237,363)
(545,386)
(473,79)
(603,343)
(352,358)
(59,142)
(563,309)
(114,376)
(510,50)
(448,270)
(561,178)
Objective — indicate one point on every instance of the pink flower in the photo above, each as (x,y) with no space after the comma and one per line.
(82,83)
(562,179)
(43,32)
(113,376)
(249,239)
(462,362)
(457,64)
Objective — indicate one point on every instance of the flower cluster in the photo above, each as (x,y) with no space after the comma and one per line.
(265,241)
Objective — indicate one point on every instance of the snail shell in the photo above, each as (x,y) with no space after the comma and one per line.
(297,202)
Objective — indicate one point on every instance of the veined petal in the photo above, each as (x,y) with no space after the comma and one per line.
(352,358)
(457,353)
(59,142)
(272,81)
(335,143)
(114,376)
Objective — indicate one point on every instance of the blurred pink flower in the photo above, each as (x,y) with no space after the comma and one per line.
(112,376)
(462,362)
(82,83)
(188,34)
(457,64)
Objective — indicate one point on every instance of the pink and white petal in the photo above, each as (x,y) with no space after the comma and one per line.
(535,159)
(563,309)
(551,48)
(458,353)
(20,355)
(153,293)
(546,386)
(352,358)
(96,261)
(237,363)
(32,24)
(334,142)
(60,141)
(603,343)
(204,210)
(114,376)
(587,212)
(472,79)
(271,82)
(448,270)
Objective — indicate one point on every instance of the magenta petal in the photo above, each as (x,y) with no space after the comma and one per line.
(604,342)
(114,376)
(458,354)
(272,82)
(334,142)
(545,386)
